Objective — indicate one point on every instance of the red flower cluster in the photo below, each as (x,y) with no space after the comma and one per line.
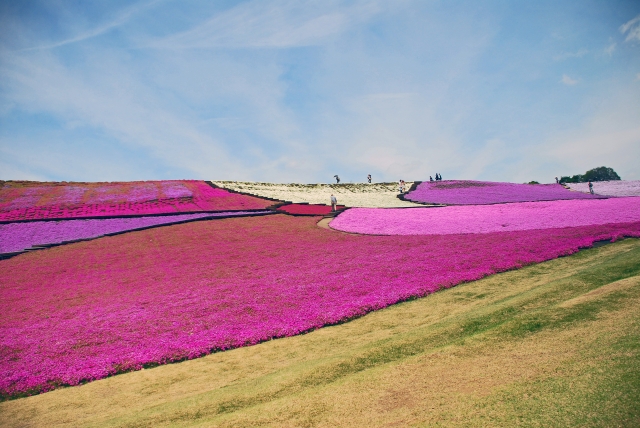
(38,201)
(308,209)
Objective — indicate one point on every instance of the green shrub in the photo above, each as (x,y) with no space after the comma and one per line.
(601,173)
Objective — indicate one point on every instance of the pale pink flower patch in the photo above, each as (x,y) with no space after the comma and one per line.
(487,218)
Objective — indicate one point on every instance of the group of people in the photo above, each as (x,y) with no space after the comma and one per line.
(338,178)
(438,177)
(402,186)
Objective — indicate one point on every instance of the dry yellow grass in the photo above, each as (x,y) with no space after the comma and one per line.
(554,344)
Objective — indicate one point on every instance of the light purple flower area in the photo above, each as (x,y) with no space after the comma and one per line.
(463,192)
(29,197)
(175,190)
(73,194)
(609,188)
(487,218)
(15,237)
(139,192)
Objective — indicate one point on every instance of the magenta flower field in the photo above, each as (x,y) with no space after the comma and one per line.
(488,218)
(20,236)
(20,201)
(220,273)
(459,192)
(81,312)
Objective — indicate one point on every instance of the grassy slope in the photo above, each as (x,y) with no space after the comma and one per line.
(556,344)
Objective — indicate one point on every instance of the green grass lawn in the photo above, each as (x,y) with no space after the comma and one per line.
(555,344)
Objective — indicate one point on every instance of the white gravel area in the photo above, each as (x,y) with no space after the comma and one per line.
(609,188)
(375,195)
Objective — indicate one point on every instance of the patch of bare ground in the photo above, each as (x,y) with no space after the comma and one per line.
(555,344)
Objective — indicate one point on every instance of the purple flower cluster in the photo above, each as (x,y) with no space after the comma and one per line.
(16,237)
(89,310)
(460,192)
(488,218)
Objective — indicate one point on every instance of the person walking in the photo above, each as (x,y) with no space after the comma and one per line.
(557,181)
(369,178)
(590,187)
(337,179)
(334,203)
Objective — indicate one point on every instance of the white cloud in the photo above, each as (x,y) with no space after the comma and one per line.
(278,24)
(568,80)
(109,98)
(579,54)
(610,136)
(631,29)
(121,19)
(610,49)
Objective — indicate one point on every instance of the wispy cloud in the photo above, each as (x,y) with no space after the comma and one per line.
(278,24)
(568,80)
(631,29)
(120,20)
(610,49)
(579,54)
(299,91)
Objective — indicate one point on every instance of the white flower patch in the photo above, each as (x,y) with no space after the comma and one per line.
(609,188)
(377,195)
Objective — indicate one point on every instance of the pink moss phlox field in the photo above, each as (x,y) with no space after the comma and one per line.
(462,192)
(84,311)
(487,218)
(609,188)
(37,201)
(308,209)
(16,237)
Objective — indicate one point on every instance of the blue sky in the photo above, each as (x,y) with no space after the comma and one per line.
(297,91)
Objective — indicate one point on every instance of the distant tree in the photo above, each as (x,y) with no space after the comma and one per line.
(602,173)
(533,182)
(575,179)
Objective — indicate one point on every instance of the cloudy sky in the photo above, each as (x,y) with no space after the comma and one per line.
(302,90)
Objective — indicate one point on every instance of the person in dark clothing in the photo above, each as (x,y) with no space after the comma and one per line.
(590,187)
(337,179)
(557,181)
(430,178)
(369,178)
